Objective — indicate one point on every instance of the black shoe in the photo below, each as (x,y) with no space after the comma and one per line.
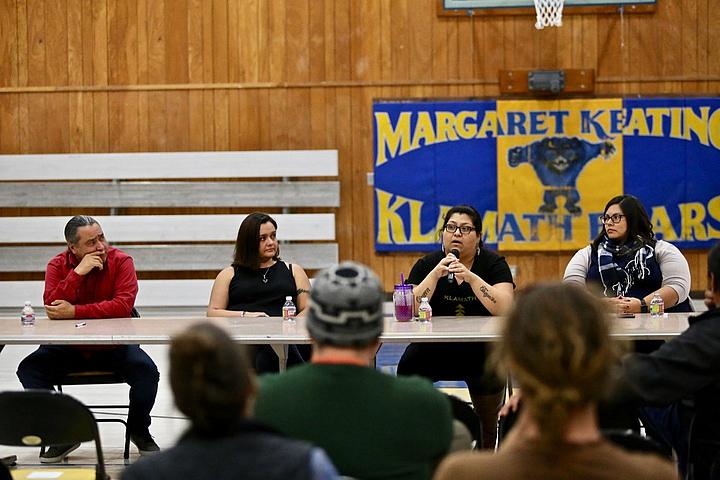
(57,453)
(144,443)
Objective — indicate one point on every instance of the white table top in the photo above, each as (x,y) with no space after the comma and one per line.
(273,330)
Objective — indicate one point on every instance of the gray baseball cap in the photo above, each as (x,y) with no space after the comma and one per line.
(346,306)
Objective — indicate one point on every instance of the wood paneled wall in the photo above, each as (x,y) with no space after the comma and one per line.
(178,75)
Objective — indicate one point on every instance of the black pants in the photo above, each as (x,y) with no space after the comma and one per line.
(48,364)
(451,361)
(265,359)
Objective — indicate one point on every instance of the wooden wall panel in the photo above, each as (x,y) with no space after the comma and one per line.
(101,122)
(219,29)
(397,49)
(122,43)
(35,21)
(344,137)
(75,126)
(10,123)
(56,35)
(74,25)
(176,24)
(57,121)
(177,75)
(8,39)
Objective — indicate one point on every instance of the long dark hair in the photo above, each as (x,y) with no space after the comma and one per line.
(248,241)
(211,379)
(638,221)
(471,212)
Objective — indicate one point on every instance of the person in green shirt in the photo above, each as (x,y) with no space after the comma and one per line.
(372,425)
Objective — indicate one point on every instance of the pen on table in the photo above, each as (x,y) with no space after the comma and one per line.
(80,324)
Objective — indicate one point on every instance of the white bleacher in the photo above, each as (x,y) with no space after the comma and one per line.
(168,243)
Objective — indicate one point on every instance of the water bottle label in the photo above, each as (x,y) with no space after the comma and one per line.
(288,312)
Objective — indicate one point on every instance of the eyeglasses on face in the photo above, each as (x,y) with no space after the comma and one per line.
(611,218)
(464,229)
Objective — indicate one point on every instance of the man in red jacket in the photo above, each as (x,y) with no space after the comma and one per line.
(93,280)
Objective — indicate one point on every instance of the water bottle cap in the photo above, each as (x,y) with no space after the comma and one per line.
(424,299)
(27,303)
(289,297)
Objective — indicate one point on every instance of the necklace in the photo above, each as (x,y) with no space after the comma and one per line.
(265,280)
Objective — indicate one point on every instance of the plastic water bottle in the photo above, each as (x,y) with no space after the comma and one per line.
(424,310)
(657,306)
(27,318)
(288,310)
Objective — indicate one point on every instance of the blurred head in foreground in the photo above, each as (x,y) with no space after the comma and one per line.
(346,307)
(211,379)
(556,342)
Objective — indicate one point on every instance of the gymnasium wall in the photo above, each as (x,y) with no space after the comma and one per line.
(179,75)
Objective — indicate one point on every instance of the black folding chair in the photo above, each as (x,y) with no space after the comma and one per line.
(46,418)
(93,377)
(101,378)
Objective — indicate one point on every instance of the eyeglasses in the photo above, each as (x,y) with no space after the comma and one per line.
(464,229)
(611,218)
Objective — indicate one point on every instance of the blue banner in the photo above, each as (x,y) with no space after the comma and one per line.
(540,172)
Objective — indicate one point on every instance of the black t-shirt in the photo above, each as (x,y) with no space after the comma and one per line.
(249,292)
(459,300)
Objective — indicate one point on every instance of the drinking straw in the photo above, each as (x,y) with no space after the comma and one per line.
(402,278)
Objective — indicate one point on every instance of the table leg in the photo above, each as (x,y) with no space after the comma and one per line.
(281,350)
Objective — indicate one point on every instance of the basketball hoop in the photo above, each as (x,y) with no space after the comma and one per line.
(549,13)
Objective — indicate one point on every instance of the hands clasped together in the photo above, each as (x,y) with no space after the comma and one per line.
(624,304)
(451,264)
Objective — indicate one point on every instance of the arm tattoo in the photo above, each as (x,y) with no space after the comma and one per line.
(300,291)
(424,294)
(486,294)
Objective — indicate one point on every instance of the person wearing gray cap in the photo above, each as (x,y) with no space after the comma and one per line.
(372,425)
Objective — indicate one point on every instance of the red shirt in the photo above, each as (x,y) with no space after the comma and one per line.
(106,293)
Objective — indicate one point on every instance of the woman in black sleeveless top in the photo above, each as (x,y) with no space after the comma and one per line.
(256,284)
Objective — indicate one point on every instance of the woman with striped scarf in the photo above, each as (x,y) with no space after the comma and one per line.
(629,265)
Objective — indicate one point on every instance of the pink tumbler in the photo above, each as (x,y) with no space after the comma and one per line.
(403,301)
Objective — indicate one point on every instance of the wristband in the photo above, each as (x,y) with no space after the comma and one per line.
(643,306)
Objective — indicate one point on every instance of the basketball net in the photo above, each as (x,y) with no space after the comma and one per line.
(549,13)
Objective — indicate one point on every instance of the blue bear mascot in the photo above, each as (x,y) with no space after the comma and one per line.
(558,161)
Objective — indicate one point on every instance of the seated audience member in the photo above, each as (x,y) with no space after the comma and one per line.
(682,379)
(214,386)
(556,342)
(93,280)
(629,265)
(372,425)
(256,284)
(482,285)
